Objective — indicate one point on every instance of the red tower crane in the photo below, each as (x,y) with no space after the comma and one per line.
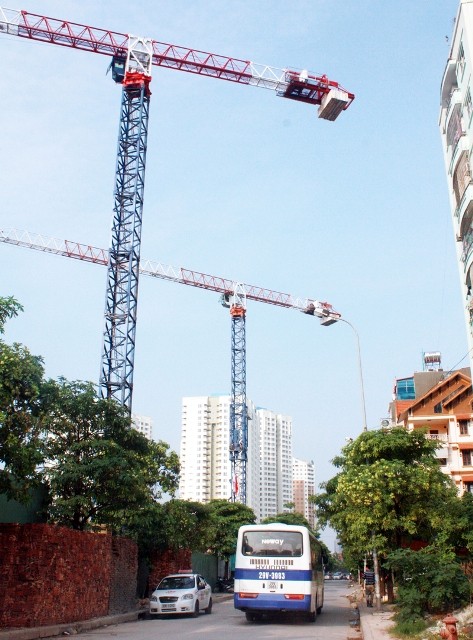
(233,295)
(132,59)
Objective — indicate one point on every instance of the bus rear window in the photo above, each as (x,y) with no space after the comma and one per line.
(260,544)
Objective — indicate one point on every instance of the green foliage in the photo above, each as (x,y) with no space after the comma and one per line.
(9,308)
(227,518)
(21,376)
(389,487)
(288,518)
(406,627)
(430,580)
(99,471)
(176,524)
(98,468)
(187,525)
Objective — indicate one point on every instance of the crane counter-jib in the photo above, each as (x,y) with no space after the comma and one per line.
(298,85)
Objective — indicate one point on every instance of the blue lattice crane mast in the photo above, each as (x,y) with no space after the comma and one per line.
(132,58)
(238,440)
(121,305)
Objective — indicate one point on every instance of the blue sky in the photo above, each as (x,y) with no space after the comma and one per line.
(248,186)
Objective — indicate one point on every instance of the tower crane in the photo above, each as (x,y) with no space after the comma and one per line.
(233,295)
(132,60)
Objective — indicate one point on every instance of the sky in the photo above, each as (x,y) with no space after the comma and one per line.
(246,185)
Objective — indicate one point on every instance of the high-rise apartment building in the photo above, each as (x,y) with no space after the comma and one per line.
(303,485)
(205,464)
(456,129)
(275,452)
(143,424)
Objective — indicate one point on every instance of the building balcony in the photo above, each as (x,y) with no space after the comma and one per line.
(449,83)
(440,421)
(441,437)
(467,241)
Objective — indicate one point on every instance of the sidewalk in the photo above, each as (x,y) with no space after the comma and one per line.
(375,624)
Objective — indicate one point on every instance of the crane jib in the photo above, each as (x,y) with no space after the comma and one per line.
(296,85)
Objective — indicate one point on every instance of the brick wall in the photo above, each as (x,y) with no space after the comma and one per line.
(52,575)
(166,562)
(123,576)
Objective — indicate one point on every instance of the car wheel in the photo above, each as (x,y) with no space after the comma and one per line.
(209,608)
(195,614)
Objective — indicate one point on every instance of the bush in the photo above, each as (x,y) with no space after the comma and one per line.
(429,581)
(407,626)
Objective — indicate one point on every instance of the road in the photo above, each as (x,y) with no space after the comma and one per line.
(230,624)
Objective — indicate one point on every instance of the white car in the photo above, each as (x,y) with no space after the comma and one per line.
(181,593)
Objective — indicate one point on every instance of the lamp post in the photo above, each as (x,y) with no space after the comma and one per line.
(365,428)
(360,371)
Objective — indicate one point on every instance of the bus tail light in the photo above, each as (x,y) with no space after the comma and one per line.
(248,595)
(294,596)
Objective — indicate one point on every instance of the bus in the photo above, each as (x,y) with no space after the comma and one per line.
(278,569)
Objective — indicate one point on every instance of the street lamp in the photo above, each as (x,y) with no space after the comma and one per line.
(365,428)
(360,370)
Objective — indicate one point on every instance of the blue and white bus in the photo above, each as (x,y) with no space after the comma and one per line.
(278,568)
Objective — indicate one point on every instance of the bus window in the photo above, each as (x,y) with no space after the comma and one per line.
(268,543)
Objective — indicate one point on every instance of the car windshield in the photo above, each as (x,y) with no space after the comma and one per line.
(177,582)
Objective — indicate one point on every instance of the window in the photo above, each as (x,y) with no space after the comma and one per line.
(442,462)
(438,408)
(468,487)
(468,105)
(460,60)
(454,127)
(463,426)
(467,457)
(405,389)
(461,177)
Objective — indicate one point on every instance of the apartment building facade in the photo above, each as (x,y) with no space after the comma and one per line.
(303,487)
(143,424)
(204,446)
(275,446)
(456,130)
(205,464)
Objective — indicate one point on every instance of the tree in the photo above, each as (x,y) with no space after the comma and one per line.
(187,525)
(21,377)
(227,518)
(9,308)
(390,489)
(99,470)
(288,518)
